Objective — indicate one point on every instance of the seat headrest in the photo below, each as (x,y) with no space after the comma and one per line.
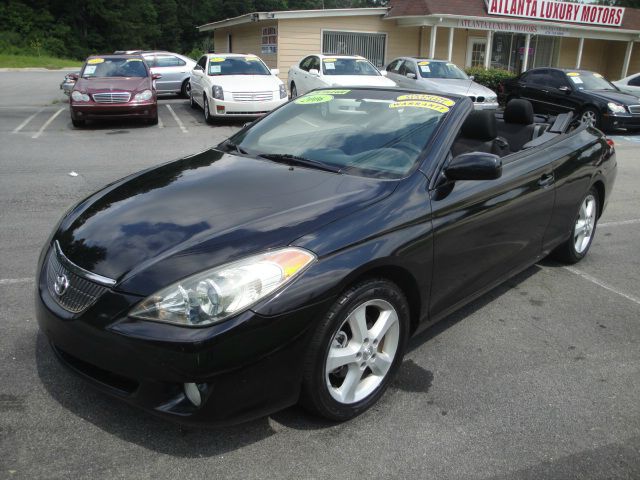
(480,125)
(519,111)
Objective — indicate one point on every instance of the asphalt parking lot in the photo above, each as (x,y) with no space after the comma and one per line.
(539,379)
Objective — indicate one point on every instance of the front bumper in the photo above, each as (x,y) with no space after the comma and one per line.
(486,106)
(230,108)
(90,111)
(610,121)
(246,367)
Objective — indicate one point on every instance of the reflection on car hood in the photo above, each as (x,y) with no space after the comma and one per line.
(615,96)
(456,86)
(246,83)
(127,84)
(359,80)
(183,217)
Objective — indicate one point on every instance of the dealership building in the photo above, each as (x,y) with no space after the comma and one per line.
(515,35)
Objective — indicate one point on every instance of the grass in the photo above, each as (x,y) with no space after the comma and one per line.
(25,61)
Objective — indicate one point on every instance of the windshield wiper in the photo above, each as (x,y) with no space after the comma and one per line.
(296,160)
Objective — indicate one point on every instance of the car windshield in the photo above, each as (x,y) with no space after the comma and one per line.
(367,132)
(237,66)
(589,81)
(114,67)
(440,70)
(348,66)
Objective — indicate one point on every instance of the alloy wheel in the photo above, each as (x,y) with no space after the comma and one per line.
(589,117)
(362,351)
(585,224)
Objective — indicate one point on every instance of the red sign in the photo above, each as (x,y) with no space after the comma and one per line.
(558,11)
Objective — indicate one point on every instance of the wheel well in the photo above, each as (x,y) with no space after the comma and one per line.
(599,186)
(402,279)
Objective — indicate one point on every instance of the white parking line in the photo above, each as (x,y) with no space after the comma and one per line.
(600,283)
(160,124)
(13,281)
(178,121)
(621,222)
(47,123)
(24,124)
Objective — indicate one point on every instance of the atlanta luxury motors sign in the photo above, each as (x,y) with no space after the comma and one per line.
(557,11)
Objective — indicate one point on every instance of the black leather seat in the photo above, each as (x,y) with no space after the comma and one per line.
(518,126)
(479,133)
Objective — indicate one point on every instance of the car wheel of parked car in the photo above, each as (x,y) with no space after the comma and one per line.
(590,116)
(207,114)
(294,91)
(78,123)
(356,350)
(185,91)
(584,229)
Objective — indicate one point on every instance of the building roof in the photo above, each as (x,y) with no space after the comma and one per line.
(477,8)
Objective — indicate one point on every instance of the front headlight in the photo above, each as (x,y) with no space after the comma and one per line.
(217,92)
(616,108)
(79,97)
(143,96)
(491,99)
(214,295)
(283,91)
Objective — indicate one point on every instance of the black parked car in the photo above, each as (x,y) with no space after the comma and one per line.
(588,94)
(292,261)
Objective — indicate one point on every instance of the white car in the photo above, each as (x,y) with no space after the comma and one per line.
(235,85)
(440,76)
(319,71)
(630,84)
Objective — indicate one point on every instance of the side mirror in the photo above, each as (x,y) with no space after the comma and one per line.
(156,76)
(383,73)
(472,77)
(474,166)
(314,72)
(275,71)
(73,76)
(411,75)
(565,89)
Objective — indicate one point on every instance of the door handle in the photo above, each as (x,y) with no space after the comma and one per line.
(544,91)
(546,180)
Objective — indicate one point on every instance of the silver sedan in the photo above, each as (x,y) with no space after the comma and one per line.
(174,68)
(440,76)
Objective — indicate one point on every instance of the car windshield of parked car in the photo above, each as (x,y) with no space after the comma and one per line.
(374,133)
(440,70)
(237,66)
(348,66)
(589,81)
(114,67)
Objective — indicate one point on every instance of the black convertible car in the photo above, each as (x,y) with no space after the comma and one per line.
(588,95)
(293,261)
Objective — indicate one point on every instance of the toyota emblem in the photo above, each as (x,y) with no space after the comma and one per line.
(61,285)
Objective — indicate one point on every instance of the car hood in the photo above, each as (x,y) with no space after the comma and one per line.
(247,83)
(358,80)
(127,84)
(614,96)
(457,87)
(156,227)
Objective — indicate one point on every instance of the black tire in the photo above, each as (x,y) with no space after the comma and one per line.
(567,252)
(594,114)
(205,108)
(294,91)
(185,91)
(316,395)
(78,123)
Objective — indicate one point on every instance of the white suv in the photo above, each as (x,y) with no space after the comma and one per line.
(235,85)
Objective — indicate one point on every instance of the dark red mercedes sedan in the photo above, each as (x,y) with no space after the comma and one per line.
(114,86)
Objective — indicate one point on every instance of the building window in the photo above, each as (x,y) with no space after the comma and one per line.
(508,51)
(269,40)
(369,45)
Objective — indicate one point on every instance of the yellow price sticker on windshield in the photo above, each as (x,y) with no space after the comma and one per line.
(428,98)
(217,59)
(253,59)
(312,99)
(597,75)
(573,74)
(95,61)
(134,59)
(335,92)
(329,60)
(420,104)
(423,63)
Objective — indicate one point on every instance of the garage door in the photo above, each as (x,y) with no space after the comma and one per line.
(369,45)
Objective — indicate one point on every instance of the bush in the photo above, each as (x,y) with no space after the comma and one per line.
(491,78)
